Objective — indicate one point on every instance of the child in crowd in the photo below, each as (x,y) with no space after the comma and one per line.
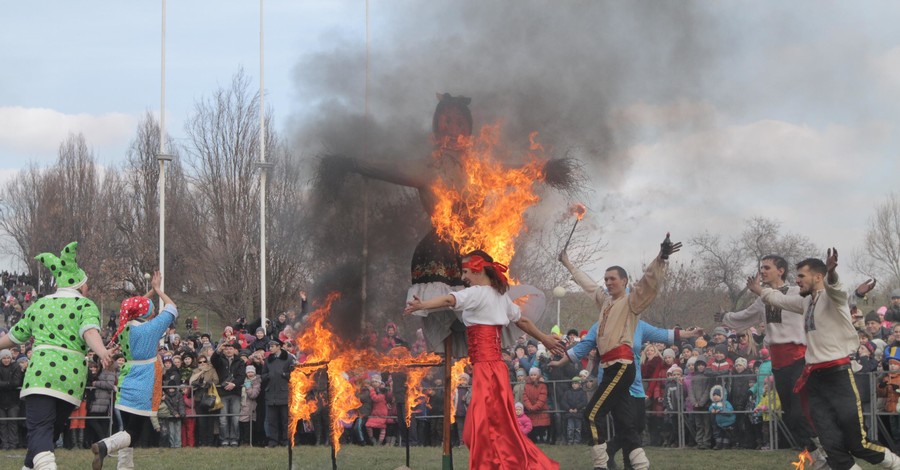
(170,413)
(378,418)
(723,413)
(767,406)
(699,397)
(522,419)
(519,387)
(249,393)
(574,402)
(673,401)
(739,396)
(189,423)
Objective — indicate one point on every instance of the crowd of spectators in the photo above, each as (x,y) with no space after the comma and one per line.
(718,385)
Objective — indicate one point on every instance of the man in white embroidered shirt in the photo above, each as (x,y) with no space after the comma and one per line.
(833,398)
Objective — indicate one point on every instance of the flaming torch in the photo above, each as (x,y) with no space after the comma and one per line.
(578,210)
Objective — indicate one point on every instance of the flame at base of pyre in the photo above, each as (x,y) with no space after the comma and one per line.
(338,357)
(803,459)
(458,368)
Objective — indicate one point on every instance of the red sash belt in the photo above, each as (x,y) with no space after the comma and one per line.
(801,381)
(786,354)
(622,351)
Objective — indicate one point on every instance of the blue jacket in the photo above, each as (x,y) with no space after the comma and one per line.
(643,333)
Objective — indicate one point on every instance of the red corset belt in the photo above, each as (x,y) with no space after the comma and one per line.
(484,343)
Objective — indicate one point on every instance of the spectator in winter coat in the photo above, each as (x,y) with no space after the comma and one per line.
(739,396)
(231,370)
(249,393)
(675,394)
(260,341)
(174,405)
(523,420)
(519,387)
(535,400)
(202,378)
(699,397)
(391,338)
(379,415)
(574,401)
(275,382)
(103,381)
(874,328)
(722,411)
(170,373)
(10,380)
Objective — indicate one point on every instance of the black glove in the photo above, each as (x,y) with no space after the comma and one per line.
(666,248)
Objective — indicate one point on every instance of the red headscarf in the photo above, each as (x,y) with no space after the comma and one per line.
(476,264)
(132,307)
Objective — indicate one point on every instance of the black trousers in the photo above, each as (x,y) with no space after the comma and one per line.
(278,424)
(837,414)
(138,427)
(640,421)
(45,418)
(791,404)
(612,397)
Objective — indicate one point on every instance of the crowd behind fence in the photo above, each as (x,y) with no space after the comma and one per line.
(425,429)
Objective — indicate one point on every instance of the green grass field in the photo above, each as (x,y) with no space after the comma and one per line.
(370,458)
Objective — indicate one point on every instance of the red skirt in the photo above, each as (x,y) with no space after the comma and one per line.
(491,430)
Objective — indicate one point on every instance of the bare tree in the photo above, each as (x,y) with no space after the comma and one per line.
(44,209)
(881,256)
(684,299)
(223,146)
(725,263)
(136,215)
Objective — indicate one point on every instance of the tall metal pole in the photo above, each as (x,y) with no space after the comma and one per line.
(262,175)
(365,189)
(162,157)
(558,302)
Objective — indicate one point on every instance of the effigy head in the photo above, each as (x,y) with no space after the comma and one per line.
(452,117)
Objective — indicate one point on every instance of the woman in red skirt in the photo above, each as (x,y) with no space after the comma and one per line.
(491,431)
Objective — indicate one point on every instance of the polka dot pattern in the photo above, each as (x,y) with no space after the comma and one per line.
(51,324)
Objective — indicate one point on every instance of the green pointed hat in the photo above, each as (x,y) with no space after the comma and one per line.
(64,268)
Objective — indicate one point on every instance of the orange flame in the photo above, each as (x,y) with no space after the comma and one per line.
(458,368)
(336,355)
(486,210)
(803,459)
(578,210)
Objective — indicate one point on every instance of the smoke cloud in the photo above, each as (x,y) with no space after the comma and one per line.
(563,70)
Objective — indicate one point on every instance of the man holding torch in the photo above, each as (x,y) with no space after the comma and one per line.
(620,313)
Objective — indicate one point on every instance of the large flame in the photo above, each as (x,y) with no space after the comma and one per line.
(487,210)
(803,459)
(340,359)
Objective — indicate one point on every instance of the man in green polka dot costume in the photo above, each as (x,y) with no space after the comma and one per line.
(63,326)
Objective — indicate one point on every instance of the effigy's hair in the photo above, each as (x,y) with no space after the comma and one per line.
(330,175)
(565,174)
